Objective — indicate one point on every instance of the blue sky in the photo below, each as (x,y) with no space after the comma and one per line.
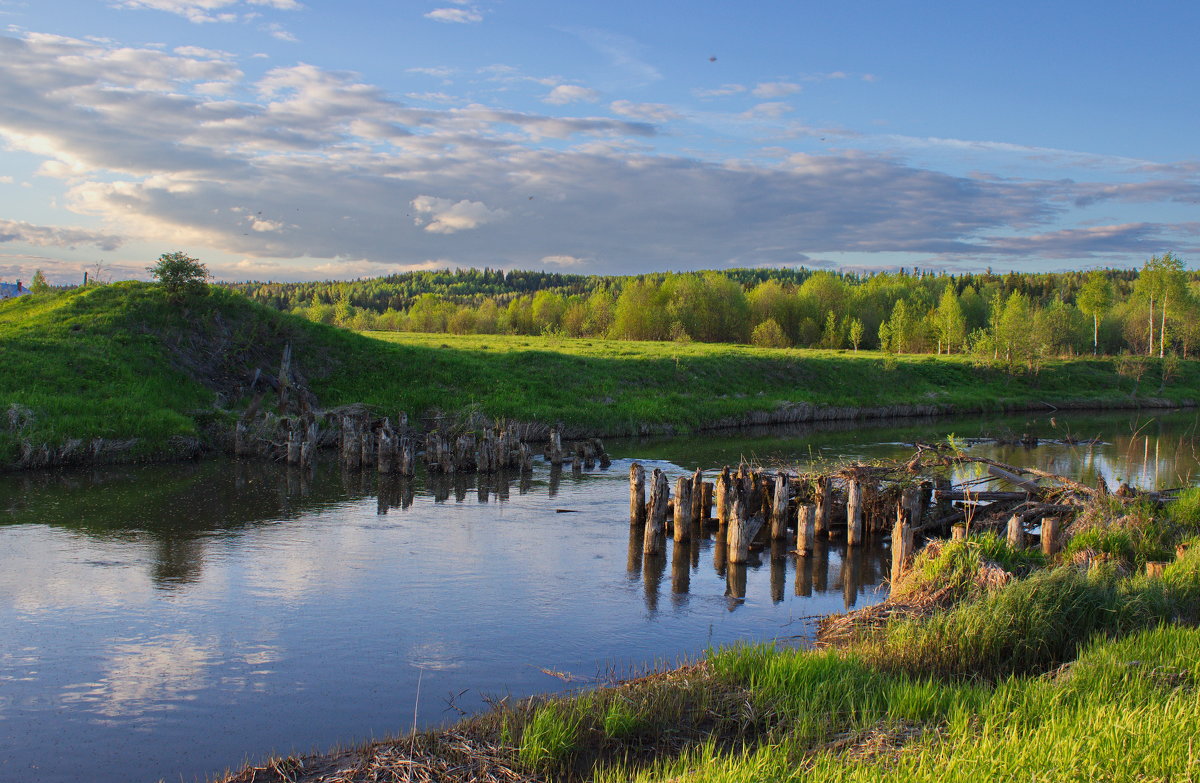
(300,139)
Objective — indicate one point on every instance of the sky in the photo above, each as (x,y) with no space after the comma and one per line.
(311,139)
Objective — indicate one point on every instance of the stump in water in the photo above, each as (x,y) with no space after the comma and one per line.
(706,501)
(902,546)
(779,507)
(293,447)
(806,525)
(637,495)
(1049,536)
(724,488)
(555,449)
(824,505)
(854,512)
(738,542)
(698,496)
(351,443)
(367,444)
(385,451)
(1016,532)
(656,522)
(683,509)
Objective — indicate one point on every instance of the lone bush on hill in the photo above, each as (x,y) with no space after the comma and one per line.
(180,275)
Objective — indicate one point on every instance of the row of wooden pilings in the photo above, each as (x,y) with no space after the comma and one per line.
(748,501)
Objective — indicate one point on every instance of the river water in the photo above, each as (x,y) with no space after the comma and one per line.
(173,621)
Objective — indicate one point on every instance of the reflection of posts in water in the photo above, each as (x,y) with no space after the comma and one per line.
(460,486)
(525,483)
(633,557)
(778,570)
(555,478)
(804,574)
(850,577)
(681,566)
(293,480)
(482,487)
(439,484)
(407,492)
(382,495)
(178,560)
(502,479)
(720,552)
(653,568)
(820,565)
(697,534)
(735,581)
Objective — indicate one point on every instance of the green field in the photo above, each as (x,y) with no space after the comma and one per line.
(157,379)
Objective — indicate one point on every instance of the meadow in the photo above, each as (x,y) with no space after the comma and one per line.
(121,372)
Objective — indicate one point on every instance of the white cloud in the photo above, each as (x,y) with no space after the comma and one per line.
(775,89)
(722,91)
(204,11)
(570,93)
(277,31)
(563,261)
(467,15)
(772,110)
(650,112)
(447,217)
(6,180)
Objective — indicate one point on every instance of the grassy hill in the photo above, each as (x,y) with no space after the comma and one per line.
(119,372)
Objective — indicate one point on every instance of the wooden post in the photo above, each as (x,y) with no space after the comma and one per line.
(385,451)
(910,503)
(698,496)
(779,507)
(306,452)
(739,546)
(655,539)
(1049,536)
(408,457)
(854,512)
(293,447)
(724,490)
(1155,568)
(1016,532)
(706,501)
(902,546)
(824,505)
(368,447)
(683,509)
(556,450)
(637,495)
(806,528)
(958,532)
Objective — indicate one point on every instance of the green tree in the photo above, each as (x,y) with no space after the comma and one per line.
(39,283)
(180,275)
(1095,299)
(949,323)
(769,334)
(856,333)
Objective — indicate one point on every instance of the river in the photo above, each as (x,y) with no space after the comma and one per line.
(172,621)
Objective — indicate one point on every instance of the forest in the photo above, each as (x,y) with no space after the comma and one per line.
(1013,318)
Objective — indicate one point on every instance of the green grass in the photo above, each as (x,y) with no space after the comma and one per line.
(121,362)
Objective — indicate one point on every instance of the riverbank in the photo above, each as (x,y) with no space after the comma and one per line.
(986,663)
(119,373)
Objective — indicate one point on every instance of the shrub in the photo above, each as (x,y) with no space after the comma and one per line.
(180,275)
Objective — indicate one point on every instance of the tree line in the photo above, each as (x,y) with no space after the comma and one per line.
(1015,318)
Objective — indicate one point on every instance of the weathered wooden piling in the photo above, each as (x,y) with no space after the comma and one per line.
(824,493)
(723,492)
(1049,536)
(683,509)
(385,451)
(351,443)
(806,528)
(293,447)
(958,532)
(637,495)
(902,545)
(706,501)
(738,535)
(1155,567)
(555,449)
(779,507)
(854,512)
(698,495)
(1016,532)
(656,521)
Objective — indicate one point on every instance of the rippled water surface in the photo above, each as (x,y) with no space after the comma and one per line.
(173,621)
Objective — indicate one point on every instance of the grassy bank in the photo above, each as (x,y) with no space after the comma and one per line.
(121,373)
(1056,671)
